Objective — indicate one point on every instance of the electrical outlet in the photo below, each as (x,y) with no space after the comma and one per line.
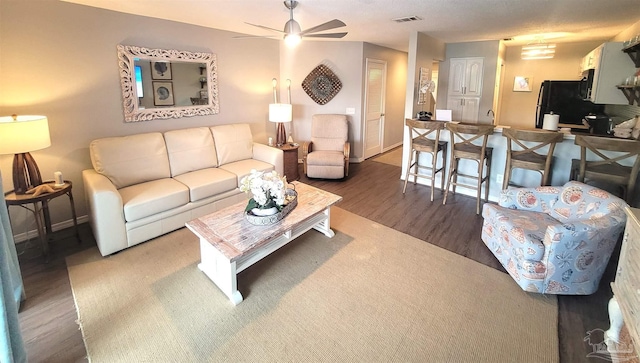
(350,111)
(499,178)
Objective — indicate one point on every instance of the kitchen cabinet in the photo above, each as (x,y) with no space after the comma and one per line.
(465,88)
(611,67)
(464,109)
(465,77)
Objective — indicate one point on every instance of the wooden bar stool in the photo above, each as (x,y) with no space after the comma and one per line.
(421,143)
(524,156)
(607,168)
(462,146)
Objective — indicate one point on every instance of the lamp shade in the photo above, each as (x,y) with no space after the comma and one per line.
(22,134)
(280,112)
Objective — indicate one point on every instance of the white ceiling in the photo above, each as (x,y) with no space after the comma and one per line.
(370,21)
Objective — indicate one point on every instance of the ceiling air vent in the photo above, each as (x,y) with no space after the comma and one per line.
(407,18)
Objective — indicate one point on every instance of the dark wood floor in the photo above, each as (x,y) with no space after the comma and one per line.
(372,190)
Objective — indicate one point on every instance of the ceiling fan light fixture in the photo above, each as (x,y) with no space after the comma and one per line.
(293,34)
(291,40)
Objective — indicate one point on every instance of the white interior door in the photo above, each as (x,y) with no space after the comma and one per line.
(374,107)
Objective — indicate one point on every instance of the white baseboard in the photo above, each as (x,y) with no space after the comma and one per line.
(23,237)
(384,150)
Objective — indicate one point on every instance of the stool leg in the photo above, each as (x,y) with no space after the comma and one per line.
(415,168)
(455,174)
(479,188)
(406,175)
(507,174)
(488,173)
(442,176)
(450,175)
(434,162)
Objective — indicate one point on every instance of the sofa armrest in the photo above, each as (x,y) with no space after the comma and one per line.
(269,155)
(106,212)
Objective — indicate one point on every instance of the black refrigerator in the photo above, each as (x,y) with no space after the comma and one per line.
(564,98)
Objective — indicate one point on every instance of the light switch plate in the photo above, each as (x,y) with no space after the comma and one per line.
(351,111)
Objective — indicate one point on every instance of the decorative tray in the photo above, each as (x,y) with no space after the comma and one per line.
(291,201)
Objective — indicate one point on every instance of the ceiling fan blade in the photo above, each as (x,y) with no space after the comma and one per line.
(265,27)
(257,36)
(328,35)
(335,23)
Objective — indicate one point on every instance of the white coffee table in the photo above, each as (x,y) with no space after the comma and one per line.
(229,243)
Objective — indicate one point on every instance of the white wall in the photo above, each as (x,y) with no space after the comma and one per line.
(489,50)
(64,65)
(423,51)
(345,60)
(518,109)
(395,91)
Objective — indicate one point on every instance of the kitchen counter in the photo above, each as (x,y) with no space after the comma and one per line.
(564,152)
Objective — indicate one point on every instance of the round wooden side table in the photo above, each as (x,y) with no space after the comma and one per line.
(39,206)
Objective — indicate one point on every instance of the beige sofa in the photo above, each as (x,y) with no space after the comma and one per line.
(145,185)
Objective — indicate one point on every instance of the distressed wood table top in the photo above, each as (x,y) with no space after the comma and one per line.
(230,232)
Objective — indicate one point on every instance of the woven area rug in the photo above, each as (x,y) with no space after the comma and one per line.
(370,294)
(392,157)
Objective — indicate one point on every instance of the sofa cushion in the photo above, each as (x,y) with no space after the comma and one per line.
(190,149)
(326,158)
(145,199)
(233,143)
(243,168)
(208,182)
(129,160)
(325,171)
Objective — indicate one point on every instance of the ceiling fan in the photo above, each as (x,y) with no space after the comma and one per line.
(293,33)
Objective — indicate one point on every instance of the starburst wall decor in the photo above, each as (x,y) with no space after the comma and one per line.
(321,84)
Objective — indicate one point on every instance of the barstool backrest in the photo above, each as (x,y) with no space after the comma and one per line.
(540,138)
(463,135)
(423,129)
(596,144)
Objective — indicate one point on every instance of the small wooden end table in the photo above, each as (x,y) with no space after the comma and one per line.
(40,209)
(290,160)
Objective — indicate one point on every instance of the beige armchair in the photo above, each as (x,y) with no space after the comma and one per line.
(327,154)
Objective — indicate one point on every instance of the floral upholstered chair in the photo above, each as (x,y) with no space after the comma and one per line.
(554,240)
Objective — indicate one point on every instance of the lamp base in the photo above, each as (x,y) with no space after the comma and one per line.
(26,174)
(281,136)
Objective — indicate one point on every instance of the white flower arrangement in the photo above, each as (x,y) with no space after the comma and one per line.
(268,190)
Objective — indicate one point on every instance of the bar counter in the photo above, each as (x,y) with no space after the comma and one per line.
(560,170)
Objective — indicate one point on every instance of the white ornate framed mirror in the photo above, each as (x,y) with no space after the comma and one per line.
(161,84)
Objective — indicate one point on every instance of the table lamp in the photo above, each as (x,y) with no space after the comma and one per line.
(280,112)
(19,135)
